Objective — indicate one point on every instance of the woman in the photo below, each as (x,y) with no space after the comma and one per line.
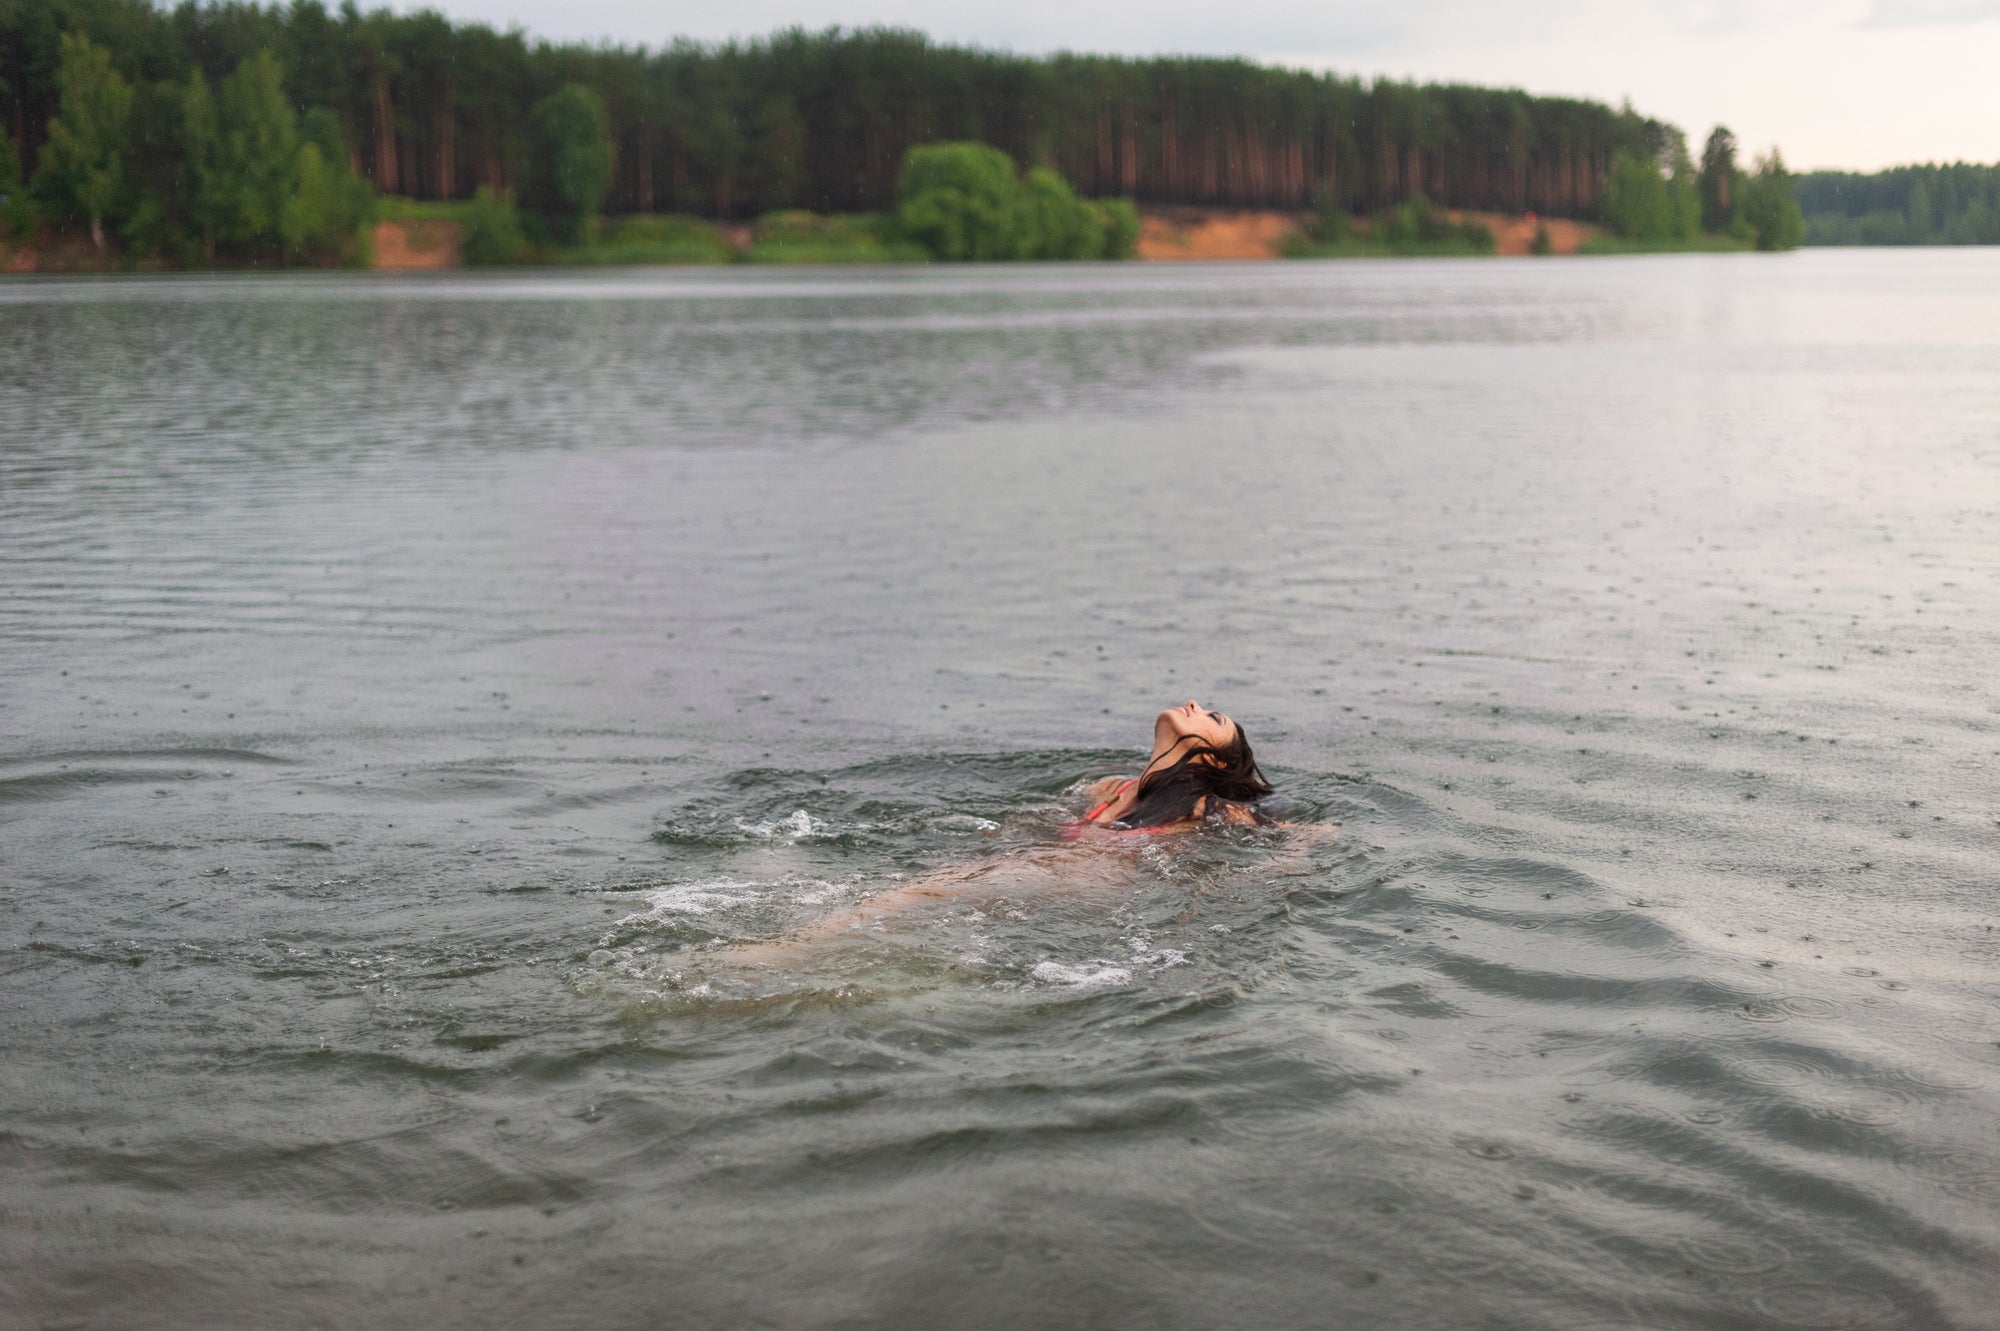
(1201,769)
(1201,773)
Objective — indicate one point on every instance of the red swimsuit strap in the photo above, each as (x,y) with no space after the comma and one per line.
(1092,815)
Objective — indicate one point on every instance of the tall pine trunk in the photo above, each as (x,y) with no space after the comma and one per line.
(385,137)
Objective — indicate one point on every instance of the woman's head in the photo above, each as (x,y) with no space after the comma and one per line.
(1190,722)
(1199,758)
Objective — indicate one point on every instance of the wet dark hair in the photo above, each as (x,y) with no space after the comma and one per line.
(1198,783)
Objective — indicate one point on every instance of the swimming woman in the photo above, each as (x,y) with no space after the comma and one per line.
(1201,768)
(1201,773)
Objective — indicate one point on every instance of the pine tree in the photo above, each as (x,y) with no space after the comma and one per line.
(1719,177)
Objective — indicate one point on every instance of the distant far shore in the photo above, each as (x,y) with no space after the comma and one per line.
(1168,234)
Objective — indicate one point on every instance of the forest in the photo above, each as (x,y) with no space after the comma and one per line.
(1958,204)
(240,132)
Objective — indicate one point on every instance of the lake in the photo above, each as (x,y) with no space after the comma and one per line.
(412,690)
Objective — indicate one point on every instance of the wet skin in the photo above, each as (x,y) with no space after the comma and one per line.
(1080,866)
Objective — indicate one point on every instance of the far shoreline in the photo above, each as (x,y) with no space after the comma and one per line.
(1169,233)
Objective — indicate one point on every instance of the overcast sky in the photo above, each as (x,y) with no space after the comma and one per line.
(1860,84)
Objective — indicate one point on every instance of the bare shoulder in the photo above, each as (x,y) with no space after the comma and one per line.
(1104,788)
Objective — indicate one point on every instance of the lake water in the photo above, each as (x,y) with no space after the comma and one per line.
(411,689)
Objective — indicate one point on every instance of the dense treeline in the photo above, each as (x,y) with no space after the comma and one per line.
(430,109)
(1957,204)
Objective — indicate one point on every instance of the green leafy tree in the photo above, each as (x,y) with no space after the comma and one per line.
(258,149)
(1118,221)
(205,201)
(83,163)
(1638,203)
(155,225)
(492,230)
(575,158)
(958,200)
(1720,181)
(1642,203)
(1418,225)
(329,202)
(1050,222)
(1770,208)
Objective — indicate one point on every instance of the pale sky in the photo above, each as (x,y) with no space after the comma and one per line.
(1859,84)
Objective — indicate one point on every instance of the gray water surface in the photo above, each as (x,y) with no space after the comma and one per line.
(413,690)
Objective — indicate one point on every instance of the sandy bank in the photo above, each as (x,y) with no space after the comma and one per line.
(1167,232)
(1214,233)
(1225,233)
(402,246)
(1516,233)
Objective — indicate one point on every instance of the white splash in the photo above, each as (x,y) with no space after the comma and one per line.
(815,891)
(698,898)
(966,823)
(799,826)
(1090,975)
(1145,954)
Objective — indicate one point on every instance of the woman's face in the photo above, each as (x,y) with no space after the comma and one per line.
(1189,720)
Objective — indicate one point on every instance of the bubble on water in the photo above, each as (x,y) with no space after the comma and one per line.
(1089,975)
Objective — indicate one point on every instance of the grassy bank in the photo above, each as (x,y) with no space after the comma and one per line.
(1415,229)
(800,237)
(495,235)
(1363,247)
(1702,244)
